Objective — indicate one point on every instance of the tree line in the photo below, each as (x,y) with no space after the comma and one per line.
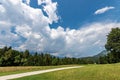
(11,57)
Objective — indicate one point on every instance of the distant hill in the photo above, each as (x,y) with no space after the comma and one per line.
(103,53)
(94,58)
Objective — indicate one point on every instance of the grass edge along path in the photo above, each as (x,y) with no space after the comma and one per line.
(13,76)
(22,69)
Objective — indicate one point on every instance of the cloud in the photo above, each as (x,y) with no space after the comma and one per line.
(50,9)
(2,9)
(26,1)
(27,23)
(103,10)
(25,27)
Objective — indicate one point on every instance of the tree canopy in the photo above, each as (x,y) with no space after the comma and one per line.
(113,47)
(10,57)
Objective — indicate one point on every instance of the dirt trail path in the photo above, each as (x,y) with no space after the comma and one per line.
(13,76)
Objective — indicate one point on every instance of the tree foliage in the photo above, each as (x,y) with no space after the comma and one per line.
(113,47)
(10,57)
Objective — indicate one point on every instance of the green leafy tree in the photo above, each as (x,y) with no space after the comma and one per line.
(2,61)
(26,54)
(25,57)
(9,58)
(17,60)
(103,60)
(47,59)
(55,61)
(113,45)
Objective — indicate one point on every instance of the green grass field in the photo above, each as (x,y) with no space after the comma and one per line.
(89,72)
(22,69)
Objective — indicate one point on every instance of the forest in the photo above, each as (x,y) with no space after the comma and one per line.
(10,57)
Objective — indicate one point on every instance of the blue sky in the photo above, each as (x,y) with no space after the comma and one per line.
(74,14)
(73,28)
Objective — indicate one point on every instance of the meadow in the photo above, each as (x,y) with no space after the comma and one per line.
(88,72)
(22,69)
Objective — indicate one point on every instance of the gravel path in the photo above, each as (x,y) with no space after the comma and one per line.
(13,76)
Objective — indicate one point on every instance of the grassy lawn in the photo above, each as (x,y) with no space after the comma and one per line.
(89,72)
(22,69)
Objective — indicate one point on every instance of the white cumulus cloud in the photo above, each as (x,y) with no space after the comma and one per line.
(103,10)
